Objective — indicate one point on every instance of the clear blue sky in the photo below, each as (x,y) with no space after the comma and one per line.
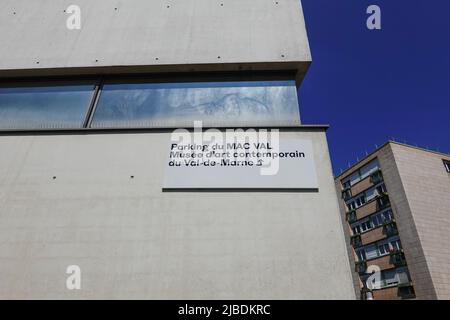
(371,86)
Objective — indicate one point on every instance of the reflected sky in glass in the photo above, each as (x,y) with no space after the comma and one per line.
(44,107)
(215,103)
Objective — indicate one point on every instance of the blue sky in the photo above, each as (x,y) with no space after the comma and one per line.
(371,86)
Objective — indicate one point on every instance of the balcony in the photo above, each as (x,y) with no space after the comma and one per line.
(399,287)
(373,235)
(366,210)
(384,262)
(362,185)
(393,260)
(383,201)
(346,194)
(355,241)
(386,294)
(390,228)
(351,216)
(379,203)
(393,293)
(376,177)
(398,258)
(360,266)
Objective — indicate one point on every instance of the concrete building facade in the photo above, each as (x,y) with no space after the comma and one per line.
(408,189)
(86,117)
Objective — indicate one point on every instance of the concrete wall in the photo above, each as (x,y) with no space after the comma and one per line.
(131,240)
(427,188)
(152,36)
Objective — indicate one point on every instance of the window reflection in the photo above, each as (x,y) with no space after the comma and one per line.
(215,103)
(44,107)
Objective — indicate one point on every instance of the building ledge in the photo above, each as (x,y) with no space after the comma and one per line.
(83,131)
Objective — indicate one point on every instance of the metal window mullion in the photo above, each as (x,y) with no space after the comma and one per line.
(93,105)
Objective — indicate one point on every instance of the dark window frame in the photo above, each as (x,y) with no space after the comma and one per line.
(447,165)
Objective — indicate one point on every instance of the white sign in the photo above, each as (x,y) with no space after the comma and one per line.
(286,164)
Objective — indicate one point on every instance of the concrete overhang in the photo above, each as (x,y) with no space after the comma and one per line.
(143,36)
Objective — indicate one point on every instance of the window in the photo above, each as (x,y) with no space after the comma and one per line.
(383,202)
(396,245)
(383,248)
(363,226)
(380,218)
(387,215)
(351,180)
(369,168)
(48,106)
(138,104)
(360,174)
(390,277)
(346,194)
(371,251)
(179,104)
(361,255)
(387,247)
(366,225)
(374,221)
(381,188)
(377,220)
(356,203)
(356,229)
(346,185)
(447,165)
(368,195)
(371,193)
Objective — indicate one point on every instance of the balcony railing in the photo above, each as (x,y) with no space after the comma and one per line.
(351,216)
(355,241)
(346,194)
(400,280)
(360,266)
(398,258)
(390,228)
(383,201)
(376,177)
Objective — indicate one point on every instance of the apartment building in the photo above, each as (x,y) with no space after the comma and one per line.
(395,204)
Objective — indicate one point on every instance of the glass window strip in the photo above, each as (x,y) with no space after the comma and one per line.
(69,104)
